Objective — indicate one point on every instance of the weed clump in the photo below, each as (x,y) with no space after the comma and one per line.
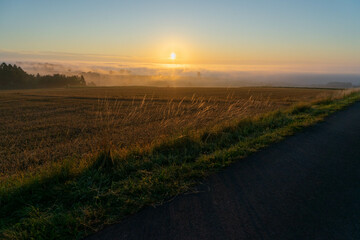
(104,161)
(300,108)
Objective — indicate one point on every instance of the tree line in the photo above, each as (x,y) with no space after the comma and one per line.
(14,77)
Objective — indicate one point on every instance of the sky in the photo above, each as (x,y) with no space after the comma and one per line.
(303,36)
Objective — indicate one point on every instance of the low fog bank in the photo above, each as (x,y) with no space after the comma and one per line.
(183,76)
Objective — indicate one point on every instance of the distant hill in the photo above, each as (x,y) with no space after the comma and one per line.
(14,77)
(339,85)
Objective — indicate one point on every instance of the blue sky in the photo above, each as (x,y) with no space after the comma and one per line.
(200,32)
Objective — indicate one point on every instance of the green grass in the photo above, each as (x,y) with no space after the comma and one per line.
(79,196)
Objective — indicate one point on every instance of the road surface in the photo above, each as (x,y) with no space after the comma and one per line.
(305,187)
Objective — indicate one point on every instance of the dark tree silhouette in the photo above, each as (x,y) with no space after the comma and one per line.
(14,77)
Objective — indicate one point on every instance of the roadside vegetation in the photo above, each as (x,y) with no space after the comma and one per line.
(80,195)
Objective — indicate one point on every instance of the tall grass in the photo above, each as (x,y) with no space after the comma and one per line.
(183,116)
(75,123)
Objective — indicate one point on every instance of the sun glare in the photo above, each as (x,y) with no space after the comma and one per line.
(173,56)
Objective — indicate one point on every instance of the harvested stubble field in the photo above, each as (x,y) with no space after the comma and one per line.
(141,150)
(38,127)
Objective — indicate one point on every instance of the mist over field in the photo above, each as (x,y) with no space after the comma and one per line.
(181,75)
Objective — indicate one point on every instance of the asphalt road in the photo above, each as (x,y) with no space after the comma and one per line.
(305,187)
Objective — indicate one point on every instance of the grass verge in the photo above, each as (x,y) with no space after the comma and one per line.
(79,196)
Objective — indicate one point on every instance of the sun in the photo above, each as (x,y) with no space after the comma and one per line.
(173,56)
